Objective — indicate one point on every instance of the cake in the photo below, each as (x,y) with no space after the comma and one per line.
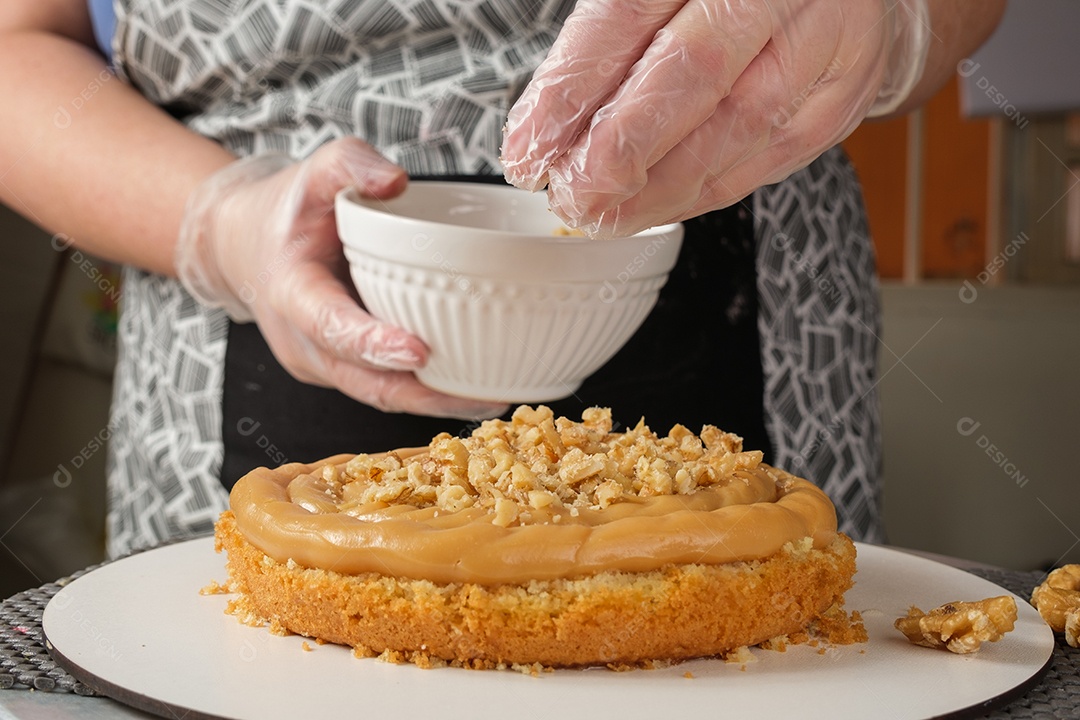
(538,540)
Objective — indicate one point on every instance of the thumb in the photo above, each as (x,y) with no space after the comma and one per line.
(320,306)
(350,162)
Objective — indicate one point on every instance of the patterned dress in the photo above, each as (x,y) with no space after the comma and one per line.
(429,82)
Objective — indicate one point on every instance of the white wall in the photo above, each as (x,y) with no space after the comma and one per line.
(981,404)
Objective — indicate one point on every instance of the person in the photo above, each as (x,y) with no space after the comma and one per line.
(214,153)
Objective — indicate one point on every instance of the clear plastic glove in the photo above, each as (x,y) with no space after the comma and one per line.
(651,111)
(259,239)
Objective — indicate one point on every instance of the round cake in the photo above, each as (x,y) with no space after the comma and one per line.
(538,540)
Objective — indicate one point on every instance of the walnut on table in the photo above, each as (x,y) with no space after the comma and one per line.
(961,627)
(1058,601)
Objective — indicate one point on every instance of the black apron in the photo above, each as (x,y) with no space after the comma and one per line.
(695,361)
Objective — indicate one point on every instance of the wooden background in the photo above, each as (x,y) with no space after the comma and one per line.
(952,211)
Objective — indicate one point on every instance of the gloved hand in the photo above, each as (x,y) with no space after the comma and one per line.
(259,239)
(651,111)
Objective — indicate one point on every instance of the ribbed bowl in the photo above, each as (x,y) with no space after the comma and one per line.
(511,309)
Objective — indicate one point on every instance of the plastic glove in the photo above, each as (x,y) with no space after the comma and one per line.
(259,239)
(651,111)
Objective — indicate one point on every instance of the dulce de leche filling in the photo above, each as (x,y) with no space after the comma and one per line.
(533,498)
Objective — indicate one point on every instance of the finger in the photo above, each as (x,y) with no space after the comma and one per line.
(820,125)
(320,309)
(598,44)
(823,120)
(691,65)
(402,392)
(757,112)
(308,209)
(349,162)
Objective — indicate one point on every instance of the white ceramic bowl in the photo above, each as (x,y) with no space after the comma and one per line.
(511,310)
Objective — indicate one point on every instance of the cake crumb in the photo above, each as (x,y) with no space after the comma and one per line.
(240,607)
(215,588)
(688,675)
(395,657)
(739,655)
(833,627)
(532,669)
(778,643)
(620,667)
(423,660)
(305,647)
(837,627)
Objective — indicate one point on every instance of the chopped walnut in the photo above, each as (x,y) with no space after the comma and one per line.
(216,588)
(1058,602)
(535,466)
(961,627)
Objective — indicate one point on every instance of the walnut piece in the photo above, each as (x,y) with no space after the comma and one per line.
(1058,601)
(537,462)
(960,627)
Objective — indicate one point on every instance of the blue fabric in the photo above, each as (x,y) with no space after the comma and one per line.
(103,19)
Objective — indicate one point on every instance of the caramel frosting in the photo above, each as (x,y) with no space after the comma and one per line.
(338,514)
